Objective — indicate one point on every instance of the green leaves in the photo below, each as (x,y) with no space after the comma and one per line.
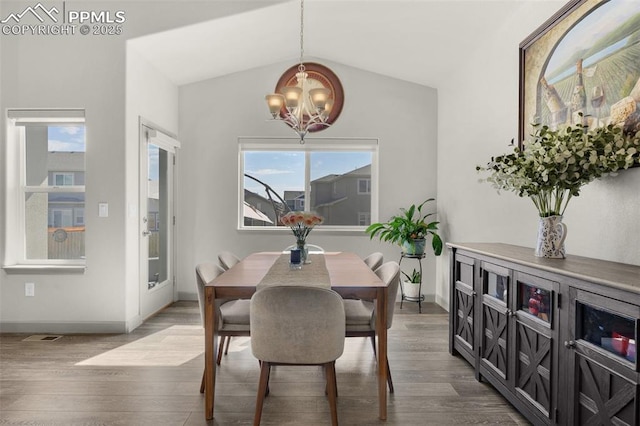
(408,225)
(557,163)
(414,277)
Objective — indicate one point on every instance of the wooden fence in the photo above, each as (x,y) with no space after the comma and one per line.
(68,243)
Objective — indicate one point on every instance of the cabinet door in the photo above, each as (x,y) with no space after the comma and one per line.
(494,313)
(536,339)
(602,361)
(463,309)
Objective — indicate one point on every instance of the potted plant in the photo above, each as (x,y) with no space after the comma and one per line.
(554,167)
(409,230)
(411,286)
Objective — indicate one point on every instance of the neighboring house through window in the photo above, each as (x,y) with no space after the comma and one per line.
(364,218)
(50,226)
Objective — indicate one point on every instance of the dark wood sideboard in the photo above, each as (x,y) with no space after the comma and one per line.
(556,337)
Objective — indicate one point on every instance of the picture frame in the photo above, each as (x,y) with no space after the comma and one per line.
(580,67)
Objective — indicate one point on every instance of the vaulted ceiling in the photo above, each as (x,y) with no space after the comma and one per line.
(420,41)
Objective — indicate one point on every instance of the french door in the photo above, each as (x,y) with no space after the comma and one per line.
(157,221)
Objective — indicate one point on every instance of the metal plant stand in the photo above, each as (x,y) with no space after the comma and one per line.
(420,297)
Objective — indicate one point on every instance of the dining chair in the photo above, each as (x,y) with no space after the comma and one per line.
(232,315)
(297,325)
(374,260)
(227,259)
(361,314)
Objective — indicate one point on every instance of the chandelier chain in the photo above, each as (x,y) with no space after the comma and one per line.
(301,67)
(304,109)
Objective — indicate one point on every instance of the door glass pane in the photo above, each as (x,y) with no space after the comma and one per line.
(157,207)
(534,301)
(612,332)
(496,286)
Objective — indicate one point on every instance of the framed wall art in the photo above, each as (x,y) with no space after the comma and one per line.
(582,66)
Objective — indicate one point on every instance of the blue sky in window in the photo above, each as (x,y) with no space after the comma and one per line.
(285,170)
(67,138)
(153,162)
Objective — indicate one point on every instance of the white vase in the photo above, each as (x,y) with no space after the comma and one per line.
(551,235)
(411,289)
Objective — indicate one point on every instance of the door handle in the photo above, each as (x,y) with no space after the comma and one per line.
(569,344)
(146,233)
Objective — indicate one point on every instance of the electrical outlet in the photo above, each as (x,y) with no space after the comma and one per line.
(29,289)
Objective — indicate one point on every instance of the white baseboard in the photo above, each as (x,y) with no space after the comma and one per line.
(134,323)
(444,304)
(106,327)
(183,295)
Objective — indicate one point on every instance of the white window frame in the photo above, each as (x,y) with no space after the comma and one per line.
(15,225)
(312,144)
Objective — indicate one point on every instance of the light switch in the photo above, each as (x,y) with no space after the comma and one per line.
(30,289)
(103,209)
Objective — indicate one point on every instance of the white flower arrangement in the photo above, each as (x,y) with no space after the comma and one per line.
(557,163)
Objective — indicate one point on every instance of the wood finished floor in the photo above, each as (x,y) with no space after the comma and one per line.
(152,377)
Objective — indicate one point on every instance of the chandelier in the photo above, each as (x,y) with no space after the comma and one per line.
(299,103)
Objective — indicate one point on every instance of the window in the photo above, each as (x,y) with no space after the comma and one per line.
(335,178)
(50,224)
(62,179)
(364,186)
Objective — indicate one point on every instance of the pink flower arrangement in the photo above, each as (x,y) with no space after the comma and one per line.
(301,223)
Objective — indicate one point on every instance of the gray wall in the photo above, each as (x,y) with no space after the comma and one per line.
(89,72)
(603,222)
(472,116)
(215,112)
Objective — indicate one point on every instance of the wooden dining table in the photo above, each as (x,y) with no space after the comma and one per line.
(349,276)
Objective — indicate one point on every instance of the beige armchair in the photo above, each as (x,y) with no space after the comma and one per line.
(227,259)
(361,314)
(232,316)
(297,325)
(374,260)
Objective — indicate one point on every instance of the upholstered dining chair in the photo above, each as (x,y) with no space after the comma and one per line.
(297,325)
(227,259)
(374,260)
(232,315)
(361,314)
